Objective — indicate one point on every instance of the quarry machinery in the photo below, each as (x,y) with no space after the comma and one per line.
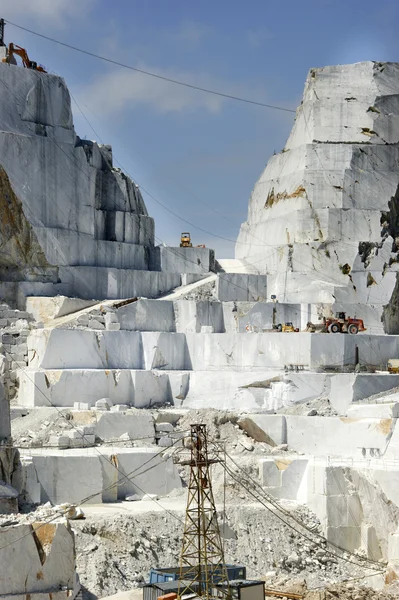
(393,365)
(185,240)
(14,49)
(286,327)
(343,324)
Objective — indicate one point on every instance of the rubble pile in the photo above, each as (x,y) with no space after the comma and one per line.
(15,327)
(116,553)
(223,426)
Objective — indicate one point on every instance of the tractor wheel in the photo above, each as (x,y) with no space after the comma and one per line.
(334,328)
(353,329)
(279,327)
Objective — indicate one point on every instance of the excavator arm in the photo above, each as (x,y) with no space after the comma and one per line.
(14,49)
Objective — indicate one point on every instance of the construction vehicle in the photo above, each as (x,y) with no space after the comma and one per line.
(185,240)
(14,49)
(343,324)
(287,327)
(393,365)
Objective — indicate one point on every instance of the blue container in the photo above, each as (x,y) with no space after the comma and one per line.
(163,575)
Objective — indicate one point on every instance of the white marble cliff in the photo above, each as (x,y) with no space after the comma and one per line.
(70,222)
(323,217)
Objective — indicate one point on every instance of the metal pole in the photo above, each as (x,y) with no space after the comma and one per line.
(202,563)
(199,504)
(2,25)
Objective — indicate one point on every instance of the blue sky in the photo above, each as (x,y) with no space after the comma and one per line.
(198,154)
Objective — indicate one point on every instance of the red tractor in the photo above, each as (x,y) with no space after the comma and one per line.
(343,324)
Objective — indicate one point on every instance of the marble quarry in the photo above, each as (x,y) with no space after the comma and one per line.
(125,337)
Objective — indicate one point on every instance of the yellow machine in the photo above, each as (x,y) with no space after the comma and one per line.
(287,327)
(22,53)
(185,240)
(393,365)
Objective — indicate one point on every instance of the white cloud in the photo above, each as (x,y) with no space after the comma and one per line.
(118,90)
(50,11)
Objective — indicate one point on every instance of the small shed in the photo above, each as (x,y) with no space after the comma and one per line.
(152,591)
(243,589)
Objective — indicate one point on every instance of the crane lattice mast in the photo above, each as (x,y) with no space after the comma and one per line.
(202,557)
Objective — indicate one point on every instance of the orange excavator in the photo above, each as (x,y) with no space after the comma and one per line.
(15,50)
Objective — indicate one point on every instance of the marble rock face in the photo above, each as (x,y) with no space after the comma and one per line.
(323,219)
(63,205)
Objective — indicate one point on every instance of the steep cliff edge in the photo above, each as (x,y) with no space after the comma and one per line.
(322,217)
(71,222)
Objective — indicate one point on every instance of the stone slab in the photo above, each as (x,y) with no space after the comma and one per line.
(62,474)
(347,388)
(183,260)
(138,425)
(26,573)
(337,436)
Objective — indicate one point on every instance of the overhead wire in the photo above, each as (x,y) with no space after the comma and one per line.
(171,249)
(347,580)
(277,505)
(146,190)
(263,258)
(189,222)
(151,74)
(82,435)
(298,531)
(168,209)
(75,161)
(165,207)
(167,174)
(91,496)
(108,442)
(324,172)
(270,498)
(263,243)
(275,252)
